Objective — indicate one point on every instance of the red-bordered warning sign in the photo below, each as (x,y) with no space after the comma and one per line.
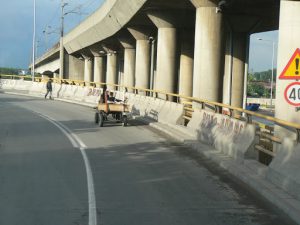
(292,94)
(292,69)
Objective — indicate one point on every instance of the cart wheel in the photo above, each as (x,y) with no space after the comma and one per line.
(96,118)
(124,121)
(101,119)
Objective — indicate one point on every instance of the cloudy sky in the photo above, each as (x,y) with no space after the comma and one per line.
(16,23)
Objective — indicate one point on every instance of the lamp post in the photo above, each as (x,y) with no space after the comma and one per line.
(33,43)
(272,73)
(61,43)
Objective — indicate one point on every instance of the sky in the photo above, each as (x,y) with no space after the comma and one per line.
(16,23)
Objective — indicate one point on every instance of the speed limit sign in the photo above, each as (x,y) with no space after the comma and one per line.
(292,94)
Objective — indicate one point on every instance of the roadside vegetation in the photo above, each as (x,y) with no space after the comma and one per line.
(259,84)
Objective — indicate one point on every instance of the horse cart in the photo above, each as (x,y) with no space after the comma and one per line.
(119,111)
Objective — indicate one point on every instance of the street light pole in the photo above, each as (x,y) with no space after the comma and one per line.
(272,76)
(272,72)
(61,44)
(33,43)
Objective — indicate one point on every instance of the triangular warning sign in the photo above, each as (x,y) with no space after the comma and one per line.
(292,69)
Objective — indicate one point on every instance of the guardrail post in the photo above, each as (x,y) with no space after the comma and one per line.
(298,135)
(230,112)
(249,118)
(217,109)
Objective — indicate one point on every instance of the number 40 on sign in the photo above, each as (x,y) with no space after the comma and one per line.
(292,94)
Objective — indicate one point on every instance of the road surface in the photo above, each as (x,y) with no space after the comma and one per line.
(58,168)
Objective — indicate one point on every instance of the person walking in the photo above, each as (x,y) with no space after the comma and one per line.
(49,89)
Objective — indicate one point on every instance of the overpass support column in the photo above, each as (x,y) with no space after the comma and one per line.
(233,86)
(99,63)
(238,68)
(166,76)
(111,69)
(142,63)
(99,68)
(208,55)
(88,68)
(186,65)
(74,68)
(129,63)
(289,33)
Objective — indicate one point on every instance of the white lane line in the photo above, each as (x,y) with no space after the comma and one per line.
(78,143)
(65,131)
(91,189)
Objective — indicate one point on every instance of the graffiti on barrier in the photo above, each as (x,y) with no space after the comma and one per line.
(94,92)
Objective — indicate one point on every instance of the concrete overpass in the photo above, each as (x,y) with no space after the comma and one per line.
(117,36)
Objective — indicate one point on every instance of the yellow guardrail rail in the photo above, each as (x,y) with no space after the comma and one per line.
(187,101)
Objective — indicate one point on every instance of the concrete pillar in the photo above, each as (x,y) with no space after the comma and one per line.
(289,33)
(112,69)
(208,55)
(166,77)
(129,62)
(235,57)
(99,57)
(74,68)
(238,68)
(88,68)
(142,63)
(129,67)
(227,79)
(239,28)
(99,69)
(186,65)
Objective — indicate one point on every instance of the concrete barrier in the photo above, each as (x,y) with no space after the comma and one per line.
(92,95)
(283,170)
(62,90)
(37,89)
(69,91)
(55,89)
(230,136)
(7,84)
(22,85)
(80,94)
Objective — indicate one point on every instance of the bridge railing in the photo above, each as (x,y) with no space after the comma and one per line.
(265,131)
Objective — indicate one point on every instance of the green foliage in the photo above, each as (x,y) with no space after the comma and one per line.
(255,90)
(9,71)
(264,76)
(259,84)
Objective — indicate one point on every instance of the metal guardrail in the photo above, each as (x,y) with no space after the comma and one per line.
(265,132)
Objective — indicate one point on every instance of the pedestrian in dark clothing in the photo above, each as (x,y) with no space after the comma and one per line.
(49,89)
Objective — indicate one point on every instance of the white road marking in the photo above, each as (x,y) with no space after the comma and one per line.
(78,143)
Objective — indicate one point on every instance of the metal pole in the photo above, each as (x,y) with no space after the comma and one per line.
(272,76)
(33,43)
(61,45)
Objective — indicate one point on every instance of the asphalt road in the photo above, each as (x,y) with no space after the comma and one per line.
(138,175)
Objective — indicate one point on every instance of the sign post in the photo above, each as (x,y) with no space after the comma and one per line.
(292,94)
